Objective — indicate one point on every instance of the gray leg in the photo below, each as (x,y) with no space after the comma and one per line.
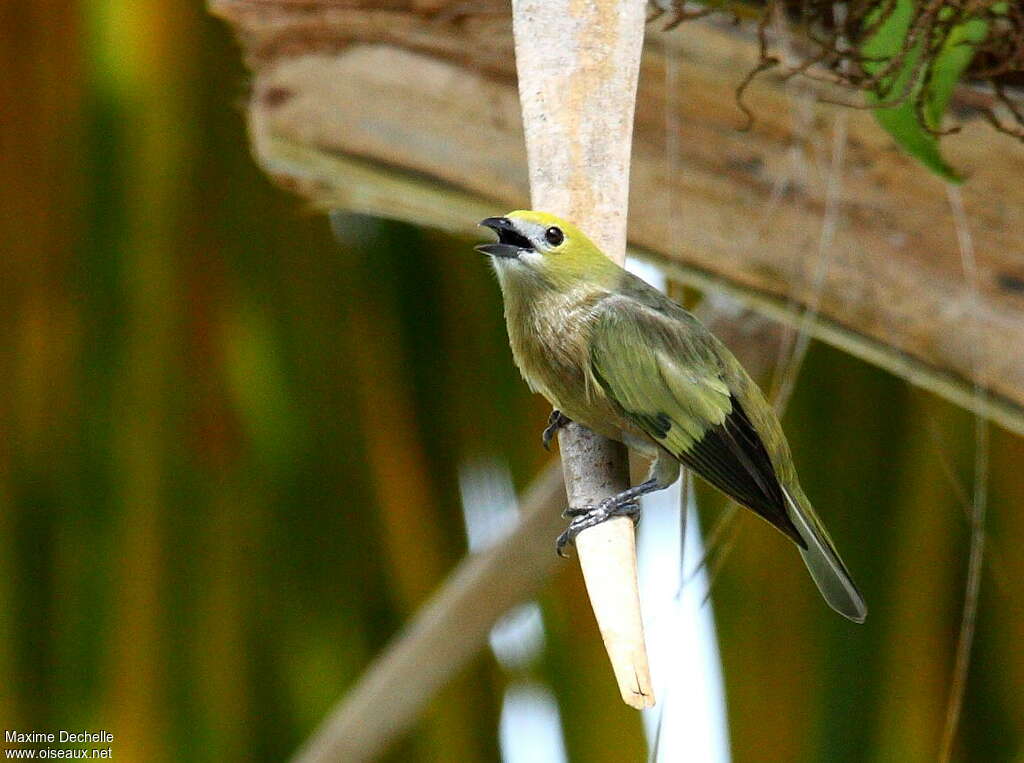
(664,471)
(591,516)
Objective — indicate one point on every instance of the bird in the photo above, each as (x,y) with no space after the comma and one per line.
(615,355)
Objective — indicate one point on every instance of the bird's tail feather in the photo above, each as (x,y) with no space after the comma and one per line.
(823,562)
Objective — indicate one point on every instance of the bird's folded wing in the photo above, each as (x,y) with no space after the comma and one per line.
(658,376)
(663,374)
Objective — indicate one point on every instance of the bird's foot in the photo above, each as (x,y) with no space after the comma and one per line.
(556,421)
(585,517)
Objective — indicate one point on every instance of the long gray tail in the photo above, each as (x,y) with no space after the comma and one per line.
(823,562)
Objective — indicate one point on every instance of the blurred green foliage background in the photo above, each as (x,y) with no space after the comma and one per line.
(229,449)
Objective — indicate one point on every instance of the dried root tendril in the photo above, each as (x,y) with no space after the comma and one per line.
(836,31)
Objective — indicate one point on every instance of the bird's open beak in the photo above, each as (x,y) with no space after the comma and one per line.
(510,241)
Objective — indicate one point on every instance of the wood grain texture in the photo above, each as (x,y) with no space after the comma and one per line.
(384,108)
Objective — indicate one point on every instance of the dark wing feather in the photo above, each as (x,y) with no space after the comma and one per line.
(732,457)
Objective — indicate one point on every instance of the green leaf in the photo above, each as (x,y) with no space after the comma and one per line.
(933,86)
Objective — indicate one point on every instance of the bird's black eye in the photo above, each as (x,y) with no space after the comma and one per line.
(554,236)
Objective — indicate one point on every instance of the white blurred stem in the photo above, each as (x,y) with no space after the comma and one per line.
(578,65)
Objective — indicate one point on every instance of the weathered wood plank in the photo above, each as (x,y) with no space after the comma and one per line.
(385,109)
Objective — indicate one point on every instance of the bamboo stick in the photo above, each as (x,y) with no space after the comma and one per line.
(578,65)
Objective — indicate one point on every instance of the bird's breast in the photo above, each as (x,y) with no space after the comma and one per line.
(551,346)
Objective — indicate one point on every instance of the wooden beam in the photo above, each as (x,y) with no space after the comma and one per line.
(382,108)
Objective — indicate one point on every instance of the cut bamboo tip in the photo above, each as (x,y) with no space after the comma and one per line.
(607,555)
(594,468)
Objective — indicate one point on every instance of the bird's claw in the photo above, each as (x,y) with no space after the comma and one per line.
(578,512)
(585,517)
(556,421)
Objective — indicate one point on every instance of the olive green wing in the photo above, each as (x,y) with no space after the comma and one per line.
(664,373)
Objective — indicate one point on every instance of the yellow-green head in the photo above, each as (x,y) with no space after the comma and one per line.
(538,247)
